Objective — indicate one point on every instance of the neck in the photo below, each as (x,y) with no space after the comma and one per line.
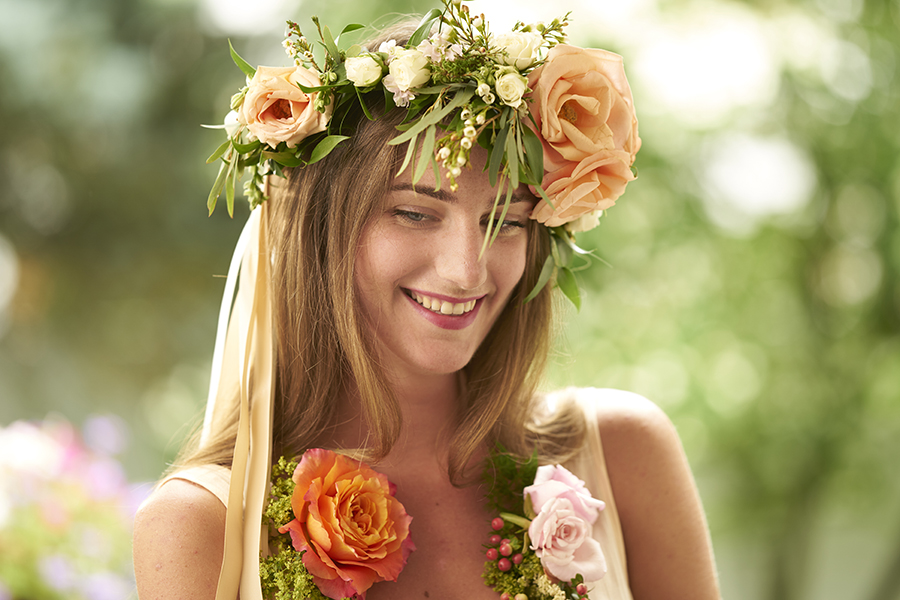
(429,405)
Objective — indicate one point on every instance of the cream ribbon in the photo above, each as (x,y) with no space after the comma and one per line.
(250,320)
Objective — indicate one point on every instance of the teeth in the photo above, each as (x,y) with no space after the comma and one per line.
(445,308)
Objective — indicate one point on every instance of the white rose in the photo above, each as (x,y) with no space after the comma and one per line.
(521,47)
(409,69)
(363,70)
(510,87)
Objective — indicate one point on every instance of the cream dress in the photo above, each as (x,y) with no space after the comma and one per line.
(589,464)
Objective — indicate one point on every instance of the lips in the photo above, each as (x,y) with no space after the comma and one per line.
(442,307)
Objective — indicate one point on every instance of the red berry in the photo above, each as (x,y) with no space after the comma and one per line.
(504,596)
(581,589)
(504,565)
(517,559)
(497,524)
(492,554)
(504,541)
(505,549)
(495,540)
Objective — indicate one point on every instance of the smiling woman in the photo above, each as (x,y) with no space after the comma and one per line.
(390,332)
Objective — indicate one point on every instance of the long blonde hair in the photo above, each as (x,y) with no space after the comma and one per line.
(322,344)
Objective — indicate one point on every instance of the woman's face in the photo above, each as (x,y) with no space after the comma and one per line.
(428,299)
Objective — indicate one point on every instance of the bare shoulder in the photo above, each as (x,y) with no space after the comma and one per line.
(667,542)
(178,543)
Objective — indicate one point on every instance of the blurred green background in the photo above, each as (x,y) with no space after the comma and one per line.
(751,286)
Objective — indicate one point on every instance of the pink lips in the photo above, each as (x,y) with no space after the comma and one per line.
(448,321)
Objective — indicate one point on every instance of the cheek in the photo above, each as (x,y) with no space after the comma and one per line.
(508,266)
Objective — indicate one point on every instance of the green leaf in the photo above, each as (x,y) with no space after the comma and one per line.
(246,148)
(285,159)
(516,520)
(497,156)
(330,45)
(509,193)
(242,64)
(219,152)
(325,147)
(347,29)
(424,29)
(216,190)
(512,159)
(566,282)
(313,89)
(435,116)
(534,154)
(229,187)
(544,278)
(362,103)
(410,151)
(543,195)
(426,155)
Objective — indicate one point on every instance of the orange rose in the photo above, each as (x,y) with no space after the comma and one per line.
(276,110)
(584,187)
(350,528)
(582,105)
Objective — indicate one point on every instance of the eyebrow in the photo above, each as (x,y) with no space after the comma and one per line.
(444,196)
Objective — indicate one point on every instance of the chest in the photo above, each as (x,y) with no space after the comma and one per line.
(449,527)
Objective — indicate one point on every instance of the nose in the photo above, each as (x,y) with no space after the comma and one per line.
(457,260)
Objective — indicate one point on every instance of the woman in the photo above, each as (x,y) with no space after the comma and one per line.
(386,317)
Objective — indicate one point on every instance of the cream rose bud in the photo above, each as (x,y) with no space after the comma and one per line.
(521,47)
(585,222)
(232,123)
(510,87)
(363,70)
(409,68)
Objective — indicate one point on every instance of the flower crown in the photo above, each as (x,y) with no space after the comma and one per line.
(553,116)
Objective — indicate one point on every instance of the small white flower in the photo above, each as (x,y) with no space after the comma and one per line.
(477,21)
(456,171)
(489,98)
(470,132)
(460,160)
(479,120)
(389,47)
(466,114)
(443,153)
(466,143)
(363,70)
(483,89)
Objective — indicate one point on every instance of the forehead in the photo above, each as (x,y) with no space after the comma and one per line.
(521,195)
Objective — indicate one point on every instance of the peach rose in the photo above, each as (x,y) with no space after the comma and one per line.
(352,531)
(584,187)
(276,110)
(582,105)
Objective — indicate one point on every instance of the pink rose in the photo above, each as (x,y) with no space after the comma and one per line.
(276,110)
(561,538)
(582,105)
(352,531)
(581,188)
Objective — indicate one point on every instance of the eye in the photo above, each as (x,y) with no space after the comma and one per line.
(411,217)
(507,226)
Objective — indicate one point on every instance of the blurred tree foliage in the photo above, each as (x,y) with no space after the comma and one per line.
(774,348)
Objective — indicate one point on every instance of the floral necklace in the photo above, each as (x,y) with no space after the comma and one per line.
(336,528)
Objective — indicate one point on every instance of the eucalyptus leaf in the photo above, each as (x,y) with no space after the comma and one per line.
(426,155)
(347,29)
(434,117)
(216,190)
(219,152)
(242,64)
(497,156)
(534,154)
(566,282)
(512,158)
(325,147)
(229,187)
(544,278)
(424,29)
(410,151)
(362,103)
(329,43)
